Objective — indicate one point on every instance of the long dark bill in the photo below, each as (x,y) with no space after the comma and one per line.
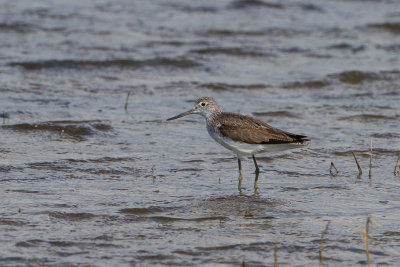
(181,115)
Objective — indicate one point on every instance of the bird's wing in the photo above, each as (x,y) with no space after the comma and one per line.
(249,130)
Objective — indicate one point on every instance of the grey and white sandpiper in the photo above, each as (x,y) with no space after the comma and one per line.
(242,134)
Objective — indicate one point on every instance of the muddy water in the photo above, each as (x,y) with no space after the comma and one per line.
(84,182)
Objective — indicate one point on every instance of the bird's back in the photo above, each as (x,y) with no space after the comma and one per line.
(246,129)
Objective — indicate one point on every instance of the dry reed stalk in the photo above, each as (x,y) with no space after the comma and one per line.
(322,241)
(126,101)
(333,166)
(365,234)
(397,166)
(276,255)
(358,165)
(370,157)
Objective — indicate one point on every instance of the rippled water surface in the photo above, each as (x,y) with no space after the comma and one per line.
(86,182)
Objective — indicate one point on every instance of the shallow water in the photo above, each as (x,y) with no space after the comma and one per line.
(84,182)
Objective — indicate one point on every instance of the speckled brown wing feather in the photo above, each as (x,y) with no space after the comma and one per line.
(253,131)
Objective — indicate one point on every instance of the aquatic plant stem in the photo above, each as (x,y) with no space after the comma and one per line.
(358,165)
(333,166)
(370,158)
(276,255)
(126,101)
(365,234)
(397,166)
(321,243)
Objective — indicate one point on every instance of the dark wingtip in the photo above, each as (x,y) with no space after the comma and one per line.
(303,139)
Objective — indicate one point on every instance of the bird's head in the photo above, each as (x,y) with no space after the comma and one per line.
(205,106)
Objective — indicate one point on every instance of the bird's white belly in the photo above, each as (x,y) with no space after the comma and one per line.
(243,149)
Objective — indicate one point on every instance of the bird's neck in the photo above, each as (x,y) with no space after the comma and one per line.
(212,117)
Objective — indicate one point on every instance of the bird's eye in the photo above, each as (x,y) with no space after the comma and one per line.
(202,104)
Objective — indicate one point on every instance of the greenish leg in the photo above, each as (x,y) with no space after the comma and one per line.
(240,176)
(257,173)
